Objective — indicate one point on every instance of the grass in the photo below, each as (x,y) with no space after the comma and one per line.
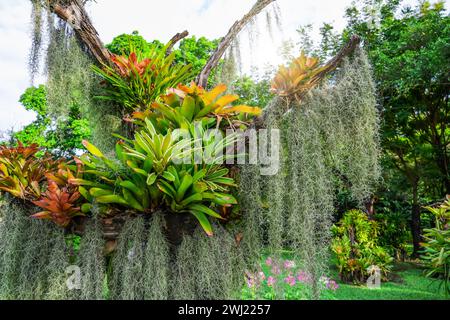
(407,282)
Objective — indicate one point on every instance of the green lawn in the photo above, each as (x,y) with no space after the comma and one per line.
(409,283)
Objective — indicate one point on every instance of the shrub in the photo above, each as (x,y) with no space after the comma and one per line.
(355,243)
(61,201)
(22,171)
(146,176)
(437,245)
(137,81)
(187,104)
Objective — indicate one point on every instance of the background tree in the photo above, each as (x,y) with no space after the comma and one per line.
(254,91)
(410,53)
(61,136)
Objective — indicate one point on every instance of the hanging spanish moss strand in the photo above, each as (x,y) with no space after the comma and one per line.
(37,22)
(311,200)
(274,187)
(331,134)
(92,263)
(156,270)
(70,81)
(127,264)
(355,101)
(214,262)
(13,234)
(59,262)
(183,284)
(251,206)
(36,252)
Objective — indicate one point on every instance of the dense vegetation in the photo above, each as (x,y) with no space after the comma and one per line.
(126,159)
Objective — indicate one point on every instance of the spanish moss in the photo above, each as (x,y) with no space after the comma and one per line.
(92,263)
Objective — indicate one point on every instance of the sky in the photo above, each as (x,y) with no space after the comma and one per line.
(154,20)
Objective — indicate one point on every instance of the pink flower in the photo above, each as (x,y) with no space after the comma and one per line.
(276,270)
(289,264)
(332,285)
(303,276)
(250,282)
(270,281)
(269,261)
(261,275)
(290,280)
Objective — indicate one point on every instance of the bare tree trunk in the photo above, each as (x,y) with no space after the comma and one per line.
(415,220)
(175,39)
(73,12)
(202,78)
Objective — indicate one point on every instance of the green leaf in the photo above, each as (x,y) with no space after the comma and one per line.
(86,207)
(194,197)
(131,200)
(186,182)
(98,192)
(166,188)
(92,149)
(112,199)
(204,222)
(204,209)
(168,176)
(151,178)
(132,187)
(188,108)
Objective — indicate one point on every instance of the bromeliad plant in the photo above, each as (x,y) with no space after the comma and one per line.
(187,104)
(298,78)
(134,82)
(158,170)
(110,182)
(22,172)
(61,201)
(186,190)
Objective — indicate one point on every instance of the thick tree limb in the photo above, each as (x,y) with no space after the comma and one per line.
(202,78)
(330,66)
(175,39)
(73,12)
(333,63)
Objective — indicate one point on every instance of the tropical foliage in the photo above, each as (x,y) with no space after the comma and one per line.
(157,170)
(61,136)
(355,244)
(22,172)
(297,78)
(437,245)
(187,104)
(134,82)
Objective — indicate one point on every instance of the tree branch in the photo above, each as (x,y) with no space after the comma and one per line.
(175,39)
(73,12)
(330,66)
(202,78)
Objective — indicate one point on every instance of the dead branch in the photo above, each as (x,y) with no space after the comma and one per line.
(74,13)
(202,78)
(175,39)
(330,66)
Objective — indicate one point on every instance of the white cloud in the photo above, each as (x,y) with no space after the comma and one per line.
(154,20)
(15,45)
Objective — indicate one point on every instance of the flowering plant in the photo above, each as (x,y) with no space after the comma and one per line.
(282,279)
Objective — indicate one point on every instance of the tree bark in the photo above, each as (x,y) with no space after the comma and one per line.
(236,28)
(175,39)
(330,66)
(74,13)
